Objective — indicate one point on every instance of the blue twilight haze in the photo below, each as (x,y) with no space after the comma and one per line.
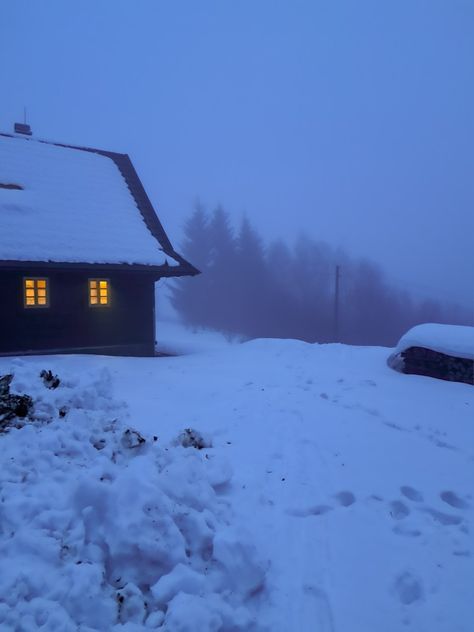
(350,121)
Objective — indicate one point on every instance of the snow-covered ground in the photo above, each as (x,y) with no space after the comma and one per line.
(337,495)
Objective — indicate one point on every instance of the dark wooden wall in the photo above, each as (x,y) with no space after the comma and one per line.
(69,324)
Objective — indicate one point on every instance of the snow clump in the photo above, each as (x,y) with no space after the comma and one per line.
(103,529)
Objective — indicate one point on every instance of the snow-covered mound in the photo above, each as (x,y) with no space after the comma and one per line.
(445,352)
(103,529)
(177,339)
(452,340)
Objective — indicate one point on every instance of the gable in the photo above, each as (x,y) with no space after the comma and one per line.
(74,205)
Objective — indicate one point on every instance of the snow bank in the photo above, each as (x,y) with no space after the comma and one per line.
(179,339)
(102,530)
(453,340)
(74,206)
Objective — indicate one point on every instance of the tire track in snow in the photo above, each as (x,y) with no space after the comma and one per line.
(306,543)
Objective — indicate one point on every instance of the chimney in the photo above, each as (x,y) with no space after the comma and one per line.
(22,128)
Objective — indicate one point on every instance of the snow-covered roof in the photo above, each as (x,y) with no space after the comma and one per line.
(453,340)
(74,206)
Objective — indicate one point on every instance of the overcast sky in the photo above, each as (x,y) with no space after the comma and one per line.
(350,120)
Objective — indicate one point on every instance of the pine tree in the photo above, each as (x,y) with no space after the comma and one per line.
(251,283)
(188,294)
(221,272)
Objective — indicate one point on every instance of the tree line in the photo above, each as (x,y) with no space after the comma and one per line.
(291,291)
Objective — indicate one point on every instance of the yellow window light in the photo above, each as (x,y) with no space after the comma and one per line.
(99,294)
(35,292)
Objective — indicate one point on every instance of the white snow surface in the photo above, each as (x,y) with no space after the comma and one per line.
(337,495)
(453,340)
(75,207)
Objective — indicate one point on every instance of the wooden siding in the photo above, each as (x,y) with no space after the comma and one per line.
(69,324)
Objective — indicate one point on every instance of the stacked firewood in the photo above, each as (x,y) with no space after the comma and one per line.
(421,361)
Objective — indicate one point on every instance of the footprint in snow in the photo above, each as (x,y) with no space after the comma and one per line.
(411,493)
(345,498)
(317,510)
(408,588)
(399,510)
(453,500)
(407,532)
(441,517)
(369,382)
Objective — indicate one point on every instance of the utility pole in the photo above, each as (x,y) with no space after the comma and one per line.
(336,304)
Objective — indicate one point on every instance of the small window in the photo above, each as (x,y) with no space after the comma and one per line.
(99,293)
(35,292)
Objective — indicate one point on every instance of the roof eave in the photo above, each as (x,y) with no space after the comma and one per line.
(183,269)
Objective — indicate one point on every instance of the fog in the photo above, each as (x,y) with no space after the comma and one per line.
(348,122)
(307,290)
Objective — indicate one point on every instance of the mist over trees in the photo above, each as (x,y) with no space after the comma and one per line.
(289,291)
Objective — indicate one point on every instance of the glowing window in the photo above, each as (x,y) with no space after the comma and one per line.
(35,292)
(99,292)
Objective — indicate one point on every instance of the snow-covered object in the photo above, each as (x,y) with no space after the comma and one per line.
(73,206)
(98,533)
(452,340)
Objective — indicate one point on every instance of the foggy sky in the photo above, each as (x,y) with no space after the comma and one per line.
(352,121)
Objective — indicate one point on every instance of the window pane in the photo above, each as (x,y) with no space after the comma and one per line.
(103,300)
(93,292)
(35,292)
(92,284)
(103,292)
(103,284)
(93,300)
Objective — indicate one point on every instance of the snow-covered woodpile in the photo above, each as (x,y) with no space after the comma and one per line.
(445,352)
(421,361)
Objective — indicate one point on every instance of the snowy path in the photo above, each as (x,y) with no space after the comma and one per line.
(355,482)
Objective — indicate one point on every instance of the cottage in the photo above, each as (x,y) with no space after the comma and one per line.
(81,248)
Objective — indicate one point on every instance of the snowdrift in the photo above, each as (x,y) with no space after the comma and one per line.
(103,529)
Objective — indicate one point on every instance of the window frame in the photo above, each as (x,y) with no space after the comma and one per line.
(35,289)
(89,288)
